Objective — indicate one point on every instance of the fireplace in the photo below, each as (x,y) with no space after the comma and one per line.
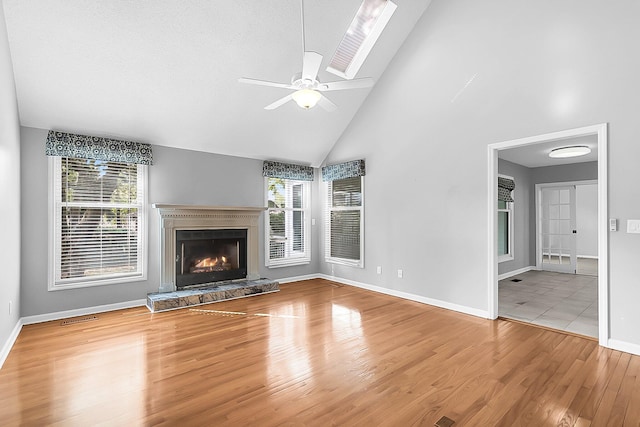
(235,228)
(205,256)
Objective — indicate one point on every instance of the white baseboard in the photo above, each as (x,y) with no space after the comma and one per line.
(8,345)
(587,256)
(627,347)
(515,272)
(39,318)
(412,297)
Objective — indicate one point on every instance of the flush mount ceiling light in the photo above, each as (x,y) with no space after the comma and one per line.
(306,98)
(573,151)
(362,34)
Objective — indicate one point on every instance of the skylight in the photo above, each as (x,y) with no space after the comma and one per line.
(362,34)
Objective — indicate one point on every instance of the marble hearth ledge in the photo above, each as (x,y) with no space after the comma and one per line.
(161,301)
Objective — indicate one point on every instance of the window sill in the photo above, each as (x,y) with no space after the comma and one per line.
(288,263)
(94,283)
(504,258)
(347,262)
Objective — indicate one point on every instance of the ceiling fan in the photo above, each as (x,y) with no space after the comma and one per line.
(306,86)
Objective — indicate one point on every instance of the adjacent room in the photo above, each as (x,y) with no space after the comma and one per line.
(303,212)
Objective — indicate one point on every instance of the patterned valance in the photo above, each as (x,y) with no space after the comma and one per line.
(91,147)
(505,187)
(287,171)
(343,170)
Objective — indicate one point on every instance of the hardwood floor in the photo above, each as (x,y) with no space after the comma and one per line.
(316,353)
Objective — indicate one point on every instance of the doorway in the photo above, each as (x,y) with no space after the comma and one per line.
(561,245)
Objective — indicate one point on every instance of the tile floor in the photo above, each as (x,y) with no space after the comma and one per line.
(567,302)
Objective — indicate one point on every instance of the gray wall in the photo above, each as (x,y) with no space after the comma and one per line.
(177,176)
(471,74)
(521,216)
(9,191)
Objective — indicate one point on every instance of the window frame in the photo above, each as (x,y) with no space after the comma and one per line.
(55,231)
(328,210)
(292,259)
(509,210)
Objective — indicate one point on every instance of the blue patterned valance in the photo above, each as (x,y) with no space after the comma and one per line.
(505,187)
(287,171)
(91,147)
(343,170)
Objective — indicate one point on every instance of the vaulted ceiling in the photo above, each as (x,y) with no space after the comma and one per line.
(165,71)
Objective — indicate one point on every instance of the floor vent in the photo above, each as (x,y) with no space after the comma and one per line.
(516,280)
(75,320)
(444,422)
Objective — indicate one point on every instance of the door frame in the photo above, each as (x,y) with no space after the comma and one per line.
(601,131)
(538,208)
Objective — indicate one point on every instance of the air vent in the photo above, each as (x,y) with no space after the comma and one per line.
(362,34)
(75,320)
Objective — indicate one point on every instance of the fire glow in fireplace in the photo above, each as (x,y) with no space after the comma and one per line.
(206,256)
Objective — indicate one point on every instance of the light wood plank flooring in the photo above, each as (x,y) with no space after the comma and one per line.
(318,354)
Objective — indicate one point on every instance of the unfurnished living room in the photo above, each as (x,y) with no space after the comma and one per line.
(303,212)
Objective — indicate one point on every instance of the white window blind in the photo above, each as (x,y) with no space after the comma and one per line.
(345,222)
(287,222)
(98,222)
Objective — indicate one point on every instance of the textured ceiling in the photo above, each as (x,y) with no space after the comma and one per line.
(165,71)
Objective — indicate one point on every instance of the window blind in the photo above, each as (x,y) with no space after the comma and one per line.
(344,221)
(99,220)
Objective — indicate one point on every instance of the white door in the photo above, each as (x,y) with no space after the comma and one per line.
(557,237)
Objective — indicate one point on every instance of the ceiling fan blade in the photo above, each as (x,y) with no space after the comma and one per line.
(279,102)
(346,84)
(311,65)
(326,104)
(265,83)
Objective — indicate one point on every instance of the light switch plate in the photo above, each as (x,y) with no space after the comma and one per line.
(633,226)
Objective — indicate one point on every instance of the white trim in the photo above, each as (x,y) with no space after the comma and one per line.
(47,317)
(587,256)
(8,345)
(627,347)
(408,296)
(516,272)
(55,284)
(300,258)
(603,227)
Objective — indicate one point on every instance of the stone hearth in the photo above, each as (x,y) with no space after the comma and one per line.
(162,301)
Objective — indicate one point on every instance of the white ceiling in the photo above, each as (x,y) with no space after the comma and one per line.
(165,71)
(537,155)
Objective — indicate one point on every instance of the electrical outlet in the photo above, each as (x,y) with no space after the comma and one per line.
(400,274)
(313,221)
(379,270)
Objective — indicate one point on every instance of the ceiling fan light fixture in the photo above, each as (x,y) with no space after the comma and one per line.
(306,98)
(572,151)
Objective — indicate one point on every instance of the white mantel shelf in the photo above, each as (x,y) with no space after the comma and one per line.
(188,217)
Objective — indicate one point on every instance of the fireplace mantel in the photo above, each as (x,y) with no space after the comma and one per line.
(186,217)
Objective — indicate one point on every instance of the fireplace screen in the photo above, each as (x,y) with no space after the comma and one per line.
(206,256)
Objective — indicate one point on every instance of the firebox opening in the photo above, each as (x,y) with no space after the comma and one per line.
(206,256)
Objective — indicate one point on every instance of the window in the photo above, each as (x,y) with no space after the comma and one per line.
(505,221)
(287,222)
(97,222)
(345,222)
